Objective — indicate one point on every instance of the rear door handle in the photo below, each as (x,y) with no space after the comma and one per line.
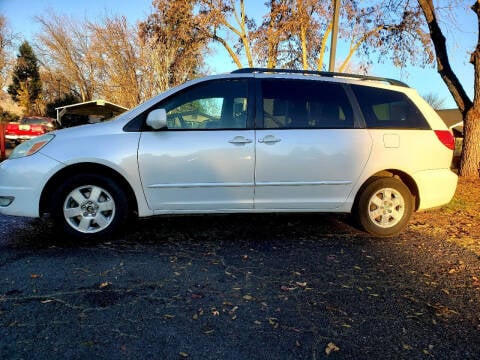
(240,140)
(269,139)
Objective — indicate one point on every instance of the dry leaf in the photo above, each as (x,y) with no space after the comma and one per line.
(286,288)
(35,276)
(273,321)
(104,284)
(331,347)
(183,354)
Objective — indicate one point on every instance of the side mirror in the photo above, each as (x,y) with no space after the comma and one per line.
(157,119)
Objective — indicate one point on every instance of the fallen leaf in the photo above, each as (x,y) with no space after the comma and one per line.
(248,297)
(183,354)
(331,347)
(232,311)
(104,284)
(301,284)
(35,276)
(286,288)
(274,322)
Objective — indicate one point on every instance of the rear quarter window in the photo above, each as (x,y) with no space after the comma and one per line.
(388,109)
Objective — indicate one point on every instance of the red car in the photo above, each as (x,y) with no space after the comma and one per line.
(28,127)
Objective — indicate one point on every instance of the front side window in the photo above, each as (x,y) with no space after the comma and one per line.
(303,104)
(388,109)
(219,104)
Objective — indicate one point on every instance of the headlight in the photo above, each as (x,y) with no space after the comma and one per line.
(31,146)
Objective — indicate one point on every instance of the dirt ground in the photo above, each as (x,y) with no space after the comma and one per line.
(458,222)
(288,286)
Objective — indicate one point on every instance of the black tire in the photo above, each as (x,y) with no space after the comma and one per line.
(90,206)
(384,207)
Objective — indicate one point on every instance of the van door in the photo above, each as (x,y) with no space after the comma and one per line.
(309,153)
(204,160)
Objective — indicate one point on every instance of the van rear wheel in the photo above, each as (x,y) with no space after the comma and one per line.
(384,207)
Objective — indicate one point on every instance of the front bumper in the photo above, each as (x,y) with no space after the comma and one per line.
(21,183)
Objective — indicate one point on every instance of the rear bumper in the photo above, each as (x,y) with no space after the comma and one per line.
(19,137)
(436,187)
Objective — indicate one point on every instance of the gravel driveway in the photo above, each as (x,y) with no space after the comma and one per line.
(237,287)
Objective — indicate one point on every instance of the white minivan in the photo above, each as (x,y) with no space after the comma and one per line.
(251,141)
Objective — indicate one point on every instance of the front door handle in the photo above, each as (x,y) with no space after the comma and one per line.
(239,140)
(269,139)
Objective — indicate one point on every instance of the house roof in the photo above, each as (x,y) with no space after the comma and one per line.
(451,117)
(101,108)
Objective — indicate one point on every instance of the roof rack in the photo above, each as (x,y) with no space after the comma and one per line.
(321,73)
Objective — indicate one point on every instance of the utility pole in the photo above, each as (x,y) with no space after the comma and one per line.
(333,46)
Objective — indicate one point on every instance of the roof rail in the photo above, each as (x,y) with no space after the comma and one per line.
(321,73)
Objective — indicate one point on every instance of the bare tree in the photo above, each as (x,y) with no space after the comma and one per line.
(6,39)
(172,44)
(435,101)
(115,53)
(64,46)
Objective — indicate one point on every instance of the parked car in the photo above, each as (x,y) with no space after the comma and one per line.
(27,128)
(252,141)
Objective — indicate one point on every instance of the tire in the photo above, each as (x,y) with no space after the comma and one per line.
(384,207)
(90,206)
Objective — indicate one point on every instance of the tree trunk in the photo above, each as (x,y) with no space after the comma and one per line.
(470,160)
(470,163)
(303,37)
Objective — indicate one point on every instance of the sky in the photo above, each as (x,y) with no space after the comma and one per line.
(461,35)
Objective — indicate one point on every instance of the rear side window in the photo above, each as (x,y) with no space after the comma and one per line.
(385,109)
(303,104)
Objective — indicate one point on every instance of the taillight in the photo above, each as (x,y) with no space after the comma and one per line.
(446,138)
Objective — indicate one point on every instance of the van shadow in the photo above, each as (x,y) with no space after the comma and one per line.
(255,228)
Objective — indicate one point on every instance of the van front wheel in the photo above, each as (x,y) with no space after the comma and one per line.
(90,206)
(384,207)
